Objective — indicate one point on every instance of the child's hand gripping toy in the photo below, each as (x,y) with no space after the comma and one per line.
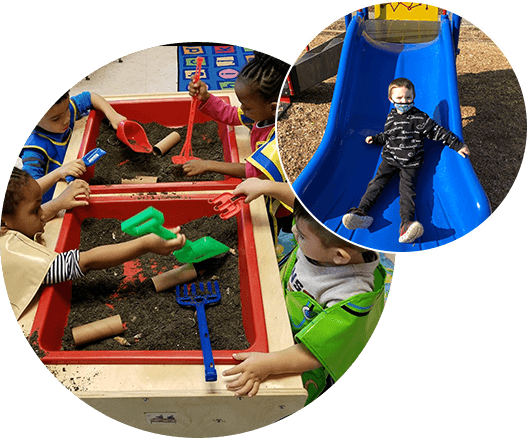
(89,160)
(151,220)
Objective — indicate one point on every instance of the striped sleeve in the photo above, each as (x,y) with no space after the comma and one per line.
(65,267)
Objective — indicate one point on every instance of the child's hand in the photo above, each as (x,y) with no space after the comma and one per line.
(200,89)
(464,152)
(369,139)
(75,195)
(116,119)
(99,103)
(252,188)
(161,246)
(253,369)
(74,168)
(196,167)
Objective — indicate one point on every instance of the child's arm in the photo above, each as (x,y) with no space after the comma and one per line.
(378,139)
(217,108)
(198,167)
(107,256)
(253,188)
(101,104)
(256,367)
(436,132)
(75,168)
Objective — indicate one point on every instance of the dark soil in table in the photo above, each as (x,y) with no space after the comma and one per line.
(121,162)
(154,320)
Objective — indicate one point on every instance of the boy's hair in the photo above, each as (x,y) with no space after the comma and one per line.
(401,82)
(14,193)
(63,97)
(266,75)
(328,239)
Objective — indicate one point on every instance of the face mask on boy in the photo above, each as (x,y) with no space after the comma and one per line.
(403,107)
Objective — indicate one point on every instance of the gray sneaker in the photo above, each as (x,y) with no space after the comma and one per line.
(355,218)
(410,231)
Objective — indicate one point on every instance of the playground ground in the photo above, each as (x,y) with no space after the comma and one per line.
(492,106)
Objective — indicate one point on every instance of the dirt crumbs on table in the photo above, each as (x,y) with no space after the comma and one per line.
(154,320)
(121,162)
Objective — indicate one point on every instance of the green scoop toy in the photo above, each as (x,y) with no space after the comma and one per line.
(151,220)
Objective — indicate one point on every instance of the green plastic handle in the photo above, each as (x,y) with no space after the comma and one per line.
(147,221)
(151,220)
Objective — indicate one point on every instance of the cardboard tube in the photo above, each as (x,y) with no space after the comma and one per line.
(97,330)
(169,279)
(166,144)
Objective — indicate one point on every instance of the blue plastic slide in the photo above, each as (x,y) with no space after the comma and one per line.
(450,201)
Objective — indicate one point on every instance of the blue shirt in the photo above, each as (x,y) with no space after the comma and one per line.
(44,151)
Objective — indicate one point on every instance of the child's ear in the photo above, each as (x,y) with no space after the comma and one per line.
(341,256)
(6,223)
(274,105)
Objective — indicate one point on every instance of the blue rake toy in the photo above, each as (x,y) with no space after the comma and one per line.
(189,296)
(89,160)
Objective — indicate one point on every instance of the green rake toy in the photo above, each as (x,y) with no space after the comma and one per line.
(151,220)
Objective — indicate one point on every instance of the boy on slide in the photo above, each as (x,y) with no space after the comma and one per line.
(405,129)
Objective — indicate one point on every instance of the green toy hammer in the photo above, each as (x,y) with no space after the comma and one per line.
(151,220)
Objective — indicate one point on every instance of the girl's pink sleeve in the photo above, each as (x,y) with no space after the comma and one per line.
(220,111)
(251,171)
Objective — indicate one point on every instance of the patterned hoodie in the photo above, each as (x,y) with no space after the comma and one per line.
(404,133)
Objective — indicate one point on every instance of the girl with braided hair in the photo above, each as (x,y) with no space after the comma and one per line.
(258,87)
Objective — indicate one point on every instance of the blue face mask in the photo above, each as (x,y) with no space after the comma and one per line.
(403,107)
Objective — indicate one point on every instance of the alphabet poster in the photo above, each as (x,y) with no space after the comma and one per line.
(220,68)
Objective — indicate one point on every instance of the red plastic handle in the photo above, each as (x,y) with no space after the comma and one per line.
(196,77)
(186,149)
(197,74)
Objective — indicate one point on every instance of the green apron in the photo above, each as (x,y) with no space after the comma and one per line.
(335,335)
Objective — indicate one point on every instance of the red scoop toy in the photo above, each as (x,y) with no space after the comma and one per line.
(186,154)
(227,205)
(134,136)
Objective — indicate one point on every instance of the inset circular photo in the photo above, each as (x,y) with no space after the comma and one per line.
(402,127)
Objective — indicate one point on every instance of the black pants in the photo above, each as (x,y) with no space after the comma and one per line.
(407,187)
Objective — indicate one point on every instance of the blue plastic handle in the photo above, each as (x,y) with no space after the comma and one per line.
(199,301)
(210,372)
(89,159)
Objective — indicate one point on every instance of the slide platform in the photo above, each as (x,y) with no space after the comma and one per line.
(450,200)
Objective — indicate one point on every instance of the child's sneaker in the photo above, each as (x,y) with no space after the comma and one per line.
(355,218)
(410,231)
